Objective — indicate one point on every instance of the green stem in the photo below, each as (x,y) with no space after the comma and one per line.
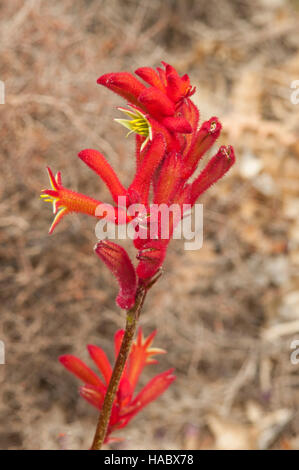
(131,325)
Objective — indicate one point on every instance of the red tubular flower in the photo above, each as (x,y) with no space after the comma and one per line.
(124,84)
(119,263)
(204,139)
(145,172)
(98,163)
(66,201)
(214,170)
(126,405)
(169,179)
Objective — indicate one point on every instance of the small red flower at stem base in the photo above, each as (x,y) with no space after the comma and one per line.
(126,404)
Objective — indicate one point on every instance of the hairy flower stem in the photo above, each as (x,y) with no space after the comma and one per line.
(131,325)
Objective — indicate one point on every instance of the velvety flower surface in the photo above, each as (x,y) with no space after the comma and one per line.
(127,402)
(170,144)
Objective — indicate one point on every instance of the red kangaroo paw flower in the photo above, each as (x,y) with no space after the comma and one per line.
(66,201)
(101,360)
(151,77)
(169,146)
(156,103)
(125,406)
(151,160)
(205,138)
(124,84)
(97,162)
(119,263)
(214,170)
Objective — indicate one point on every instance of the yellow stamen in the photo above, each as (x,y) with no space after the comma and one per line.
(138,124)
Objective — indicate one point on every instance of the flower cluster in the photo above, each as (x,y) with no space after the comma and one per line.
(125,406)
(169,146)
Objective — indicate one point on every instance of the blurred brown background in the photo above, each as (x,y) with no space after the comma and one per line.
(227,314)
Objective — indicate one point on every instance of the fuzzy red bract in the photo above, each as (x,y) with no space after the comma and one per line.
(98,163)
(126,404)
(169,147)
(144,174)
(119,263)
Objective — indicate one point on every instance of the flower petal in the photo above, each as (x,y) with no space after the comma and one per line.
(141,354)
(80,369)
(101,360)
(151,391)
(144,174)
(94,395)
